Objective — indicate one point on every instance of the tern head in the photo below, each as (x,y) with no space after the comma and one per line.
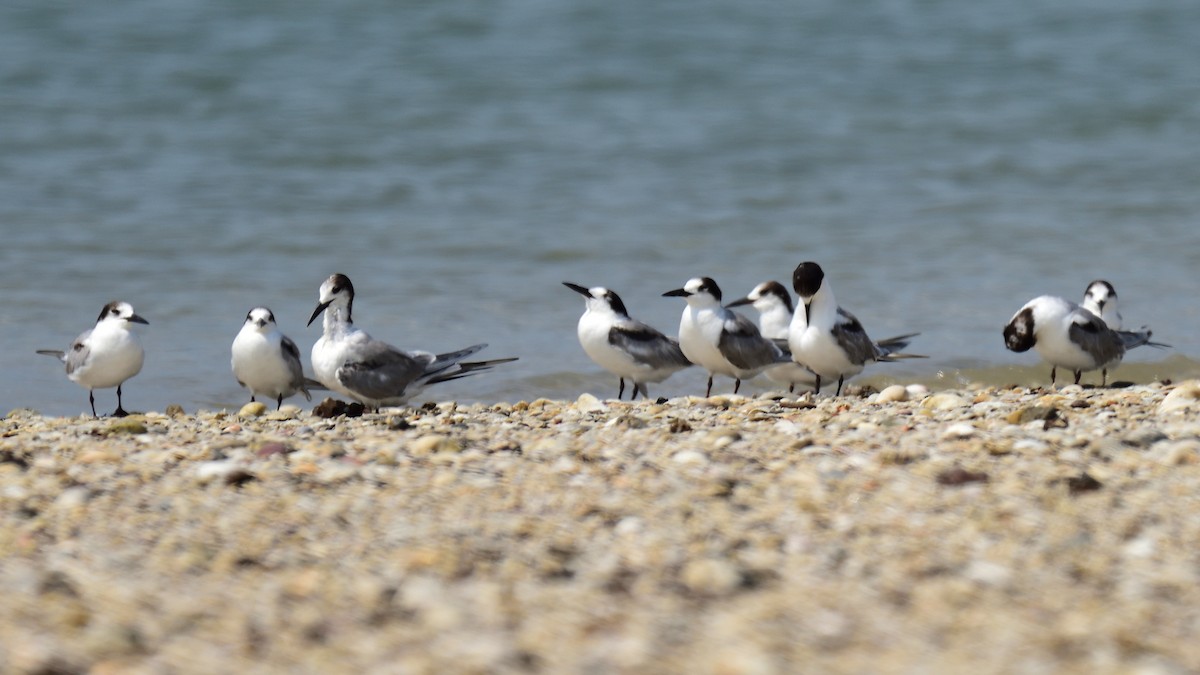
(807,279)
(337,291)
(1099,294)
(765,297)
(600,299)
(700,292)
(1020,335)
(120,311)
(261,319)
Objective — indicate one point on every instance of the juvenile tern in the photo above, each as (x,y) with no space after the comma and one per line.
(1070,336)
(623,346)
(720,340)
(106,355)
(266,361)
(828,339)
(349,361)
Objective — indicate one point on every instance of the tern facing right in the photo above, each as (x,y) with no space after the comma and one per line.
(106,355)
(349,361)
(623,346)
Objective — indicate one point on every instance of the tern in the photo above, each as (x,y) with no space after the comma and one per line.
(266,361)
(828,339)
(623,346)
(720,340)
(349,361)
(106,355)
(1069,336)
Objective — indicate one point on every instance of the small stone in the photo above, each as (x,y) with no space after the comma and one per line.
(175,410)
(1082,483)
(960,476)
(710,577)
(892,394)
(690,458)
(1035,413)
(128,426)
(588,403)
(678,425)
(433,443)
(97,457)
(944,402)
(959,430)
(228,471)
(1184,397)
(1144,438)
(252,409)
(271,449)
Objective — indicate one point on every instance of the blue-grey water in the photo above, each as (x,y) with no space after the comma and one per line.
(944,161)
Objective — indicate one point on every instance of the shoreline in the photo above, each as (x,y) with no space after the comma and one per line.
(995,529)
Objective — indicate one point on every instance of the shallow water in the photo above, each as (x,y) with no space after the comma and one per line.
(945,162)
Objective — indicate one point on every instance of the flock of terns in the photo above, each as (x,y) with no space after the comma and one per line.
(807,343)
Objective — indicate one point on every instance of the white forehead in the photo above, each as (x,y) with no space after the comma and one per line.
(124,308)
(693,285)
(260,313)
(598,291)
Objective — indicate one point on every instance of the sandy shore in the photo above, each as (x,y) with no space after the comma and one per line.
(990,530)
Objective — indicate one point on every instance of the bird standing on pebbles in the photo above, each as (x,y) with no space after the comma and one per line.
(266,361)
(349,361)
(720,340)
(623,346)
(1069,336)
(828,339)
(106,355)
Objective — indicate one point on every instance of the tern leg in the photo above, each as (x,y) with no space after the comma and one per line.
(252,398)
(1104,377)
(737,384)
(1053,372)
(1078,374)
(120,411)
(92,400)
(817,386)
(279,402)
(640,386)
(792,388)
(708,392)
(841,379)
(621,391)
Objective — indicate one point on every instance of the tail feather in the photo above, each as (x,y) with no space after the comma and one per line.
(1131,339)
(466,368)
(890,348)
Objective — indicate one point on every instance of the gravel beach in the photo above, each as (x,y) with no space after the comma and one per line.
(978,530)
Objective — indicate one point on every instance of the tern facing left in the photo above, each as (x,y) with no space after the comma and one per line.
(106,355)
(828,339)
(1070,336)
(720,340)
(623,346)
(775,309)
(266,361)
(349,361)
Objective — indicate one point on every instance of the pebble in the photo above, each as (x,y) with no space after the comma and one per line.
(1185,397)
(892,394)
(252,410)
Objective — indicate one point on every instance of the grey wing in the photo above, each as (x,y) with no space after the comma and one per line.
(291,355)
(647,345)
(78,355)
(853,339)
(382,371)
(1094,336)
(745,347)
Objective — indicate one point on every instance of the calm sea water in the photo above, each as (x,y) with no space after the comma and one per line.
(458,159)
